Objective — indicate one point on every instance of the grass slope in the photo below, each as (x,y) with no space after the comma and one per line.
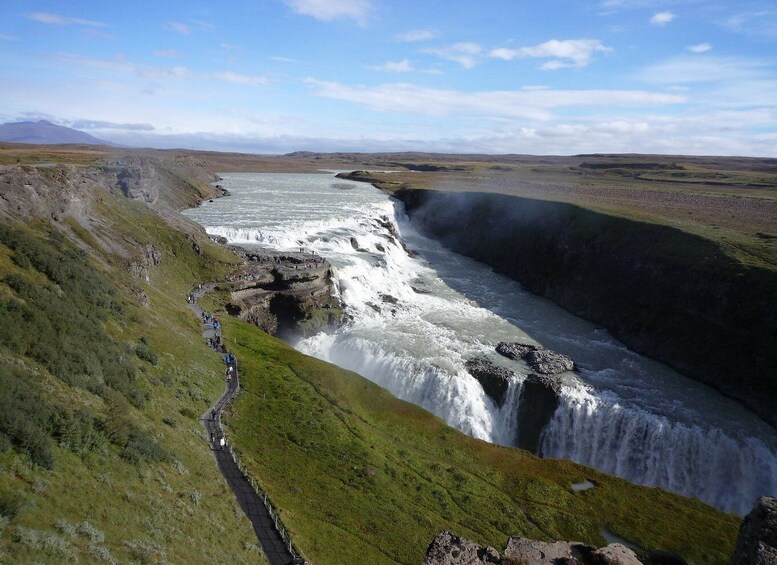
(102,456)
(361,477)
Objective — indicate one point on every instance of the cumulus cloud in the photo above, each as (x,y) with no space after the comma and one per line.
(328,10)
(699,48)
(662,18)
(562,53)
(57,19)
(403,66)
(416,35)
(465,54)
(238,78)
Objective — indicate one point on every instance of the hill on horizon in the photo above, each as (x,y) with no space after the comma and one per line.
(44,132)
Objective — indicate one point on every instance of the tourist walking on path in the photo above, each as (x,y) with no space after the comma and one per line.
(276,549)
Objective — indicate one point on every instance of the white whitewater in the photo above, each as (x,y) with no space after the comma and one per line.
(417,317)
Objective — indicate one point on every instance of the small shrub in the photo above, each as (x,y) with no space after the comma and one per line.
(86,529)
(143,352)
(66,527)
(188,413)
(195,497)
(101,553)
(10,503)
(169,421)
(49,542)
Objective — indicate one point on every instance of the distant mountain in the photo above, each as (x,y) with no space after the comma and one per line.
(43,132)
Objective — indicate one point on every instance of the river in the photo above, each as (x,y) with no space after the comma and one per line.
(419,311)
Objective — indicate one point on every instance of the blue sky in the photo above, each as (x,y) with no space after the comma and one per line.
(502,76)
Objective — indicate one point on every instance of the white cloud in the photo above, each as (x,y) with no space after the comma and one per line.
(237,78)
(283,59)
(699,48)
(662,18)
(754,22)
(328,10)
(416,35)
(56,19)
(4,37)
(180,28)
(167,53)
(465,54)
(403,66)
(103,125)
(533,104)
(563,53)
(120,64)
(688,69)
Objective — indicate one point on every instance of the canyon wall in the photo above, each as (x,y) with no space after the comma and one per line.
(670,295)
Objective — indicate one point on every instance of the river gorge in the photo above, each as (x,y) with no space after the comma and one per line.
(417,312)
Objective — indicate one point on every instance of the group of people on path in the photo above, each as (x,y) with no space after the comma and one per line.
(217,439)
(231,362)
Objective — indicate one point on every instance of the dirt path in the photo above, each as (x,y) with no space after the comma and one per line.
(255,505)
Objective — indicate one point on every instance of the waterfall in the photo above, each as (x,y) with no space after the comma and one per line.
(709,464)
(416,319)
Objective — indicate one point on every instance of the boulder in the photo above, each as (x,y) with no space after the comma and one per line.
(541,360)
(757,541)
(493,378)
(615,554)
(514,350)
(449,549)
(523,550)
(538,402)
(547,362)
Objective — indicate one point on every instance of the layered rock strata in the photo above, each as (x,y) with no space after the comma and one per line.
(285,293)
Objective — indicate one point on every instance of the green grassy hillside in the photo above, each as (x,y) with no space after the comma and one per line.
(102,456)
(362,477)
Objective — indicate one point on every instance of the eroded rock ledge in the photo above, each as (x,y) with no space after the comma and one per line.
(449,549)
(494,379)
(540,395)
(285,293)
(541,360)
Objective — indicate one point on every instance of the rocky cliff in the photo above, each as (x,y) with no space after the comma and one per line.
(285,293)
(668,294)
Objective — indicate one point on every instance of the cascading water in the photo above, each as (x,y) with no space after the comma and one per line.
(417,316)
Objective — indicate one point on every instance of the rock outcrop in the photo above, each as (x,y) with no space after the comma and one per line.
(539,400)
(147,257)
(449,549)
(285,292)
(757,541)
(541,360)
(493,378)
